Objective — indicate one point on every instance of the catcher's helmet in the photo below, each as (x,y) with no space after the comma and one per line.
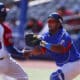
(3,12)
(56,16)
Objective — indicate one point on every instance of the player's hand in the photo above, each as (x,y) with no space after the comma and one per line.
(27,53)
(43,43)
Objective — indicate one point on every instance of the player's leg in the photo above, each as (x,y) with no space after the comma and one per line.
(16,71)
(58,75)
(3,65)
(71,70)
(4,77)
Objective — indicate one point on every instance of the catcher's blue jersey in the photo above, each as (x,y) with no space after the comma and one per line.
(63,38)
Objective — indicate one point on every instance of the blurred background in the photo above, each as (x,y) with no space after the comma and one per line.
(31,15)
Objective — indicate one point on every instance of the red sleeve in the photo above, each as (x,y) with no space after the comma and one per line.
(67,48)
(43,50)
(8,39)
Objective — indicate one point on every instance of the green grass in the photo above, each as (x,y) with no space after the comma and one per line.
(38,74)
(78,78)
(41,74)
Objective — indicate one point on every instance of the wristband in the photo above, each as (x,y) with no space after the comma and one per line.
(45,44)
(48,45)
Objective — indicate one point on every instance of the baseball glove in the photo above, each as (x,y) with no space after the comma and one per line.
(32,40)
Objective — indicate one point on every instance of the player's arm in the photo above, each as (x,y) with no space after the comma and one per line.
(38,50)
(14,51)
(54,48)
(33,41)
(57,48)
(43,46)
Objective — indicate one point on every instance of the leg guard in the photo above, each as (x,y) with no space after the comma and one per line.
(58,75)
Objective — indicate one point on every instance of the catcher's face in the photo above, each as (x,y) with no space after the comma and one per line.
(53,25)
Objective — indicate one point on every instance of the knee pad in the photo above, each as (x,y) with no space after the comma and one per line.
(58,75)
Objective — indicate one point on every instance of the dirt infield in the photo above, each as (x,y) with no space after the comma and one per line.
(38,64)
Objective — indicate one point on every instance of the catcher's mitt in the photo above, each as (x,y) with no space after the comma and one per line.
(31,40)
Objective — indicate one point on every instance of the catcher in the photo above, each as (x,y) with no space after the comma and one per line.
(58,45)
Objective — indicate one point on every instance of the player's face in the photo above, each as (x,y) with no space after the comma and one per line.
(53,25)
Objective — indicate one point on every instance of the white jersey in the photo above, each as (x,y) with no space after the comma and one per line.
(3,52)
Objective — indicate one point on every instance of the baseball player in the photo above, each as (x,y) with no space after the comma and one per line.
(9,43)
(8,66)
(58,45)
